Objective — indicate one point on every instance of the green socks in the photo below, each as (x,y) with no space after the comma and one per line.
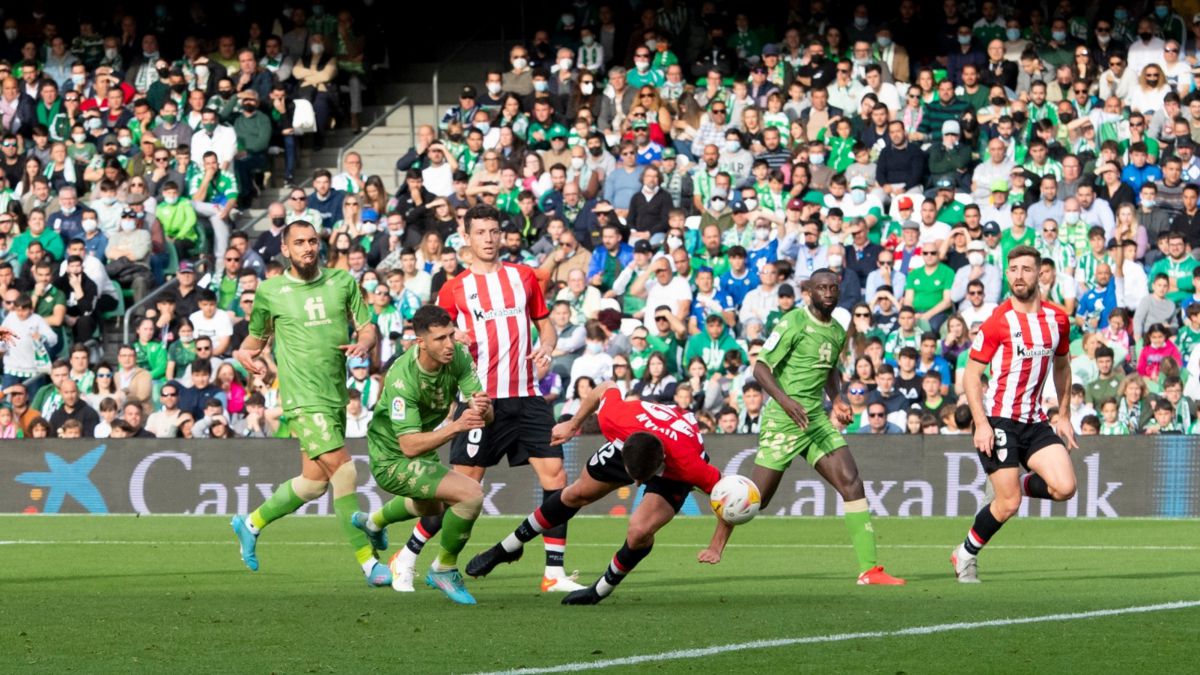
(394,511)
(456,530)
(281,503)
(862,535)
(344,507)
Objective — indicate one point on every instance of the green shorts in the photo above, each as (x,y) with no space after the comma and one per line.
(414,477)
(320,431)
(780,440)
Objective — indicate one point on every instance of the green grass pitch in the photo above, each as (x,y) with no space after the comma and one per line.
(169,594)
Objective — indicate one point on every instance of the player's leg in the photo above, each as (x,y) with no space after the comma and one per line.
(1052,476)
(1007,487)
(343,478)
(429,526)
(553,478)
(465,497)
(288,497)
(837,466)
(655,511)
(558,508)
(767,480)
(780,442)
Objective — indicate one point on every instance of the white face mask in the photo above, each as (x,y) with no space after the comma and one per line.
(577,163)
(1071,217)
(128,224)
(835,261)
(674,243)
(201,71)
(89,225)
(79,138)
(858,196)
(594,347)
(975,259)
(587,39)
(564,64)
(642,65)
(732,146)
(317,49)
(78,78)
(519,63)
(816,158)
(587,88)
(494,88)
(751,203)
(11,34)
(125,141)
(762,233)
(368,228)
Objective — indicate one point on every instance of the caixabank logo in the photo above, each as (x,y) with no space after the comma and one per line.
(49,489)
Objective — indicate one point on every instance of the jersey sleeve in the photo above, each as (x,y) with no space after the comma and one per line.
(1064,331)
(445,298)
(783,340)
(986,342)
(356,307)
(536,305)
(261,325)
(689,465)
(465,372)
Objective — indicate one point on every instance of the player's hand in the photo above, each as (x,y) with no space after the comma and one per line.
(1067,433)
(8,336)
(842,412)
(247,360)
(709,556)
(540,354)
(561,433)
(355,350)
(482,404)
(984,438)
(470,419)
(795,411)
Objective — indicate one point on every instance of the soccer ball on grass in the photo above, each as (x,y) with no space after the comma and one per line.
(735,499)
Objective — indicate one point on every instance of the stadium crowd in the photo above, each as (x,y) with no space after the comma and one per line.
(674,174)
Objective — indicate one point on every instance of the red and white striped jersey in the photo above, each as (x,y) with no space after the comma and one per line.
(1020,348)
(497,311)
(683,444)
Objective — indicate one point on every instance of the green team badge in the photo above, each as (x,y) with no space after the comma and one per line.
(825,352)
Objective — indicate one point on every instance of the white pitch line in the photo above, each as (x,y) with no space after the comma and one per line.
(923,547)
(841,637)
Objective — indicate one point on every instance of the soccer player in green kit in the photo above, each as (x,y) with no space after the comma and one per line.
(311,311)
(410,423)
(798,368)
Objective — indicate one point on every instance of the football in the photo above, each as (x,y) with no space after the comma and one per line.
(735,499)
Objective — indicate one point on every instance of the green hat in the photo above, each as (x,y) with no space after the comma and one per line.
(1000,185)
(668,153)
(556,131)
(814,197)
(639,124)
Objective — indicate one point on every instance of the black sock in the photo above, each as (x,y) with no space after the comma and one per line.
(985,527)
(547,518)
(426,527)
(1035,486)
(556,514)
(622,564)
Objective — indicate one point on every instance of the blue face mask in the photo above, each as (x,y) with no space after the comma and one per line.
(1058,35)
(884,42)
(1161,12)
(1120,14)
(541,85)
(964,39)
(1013,34)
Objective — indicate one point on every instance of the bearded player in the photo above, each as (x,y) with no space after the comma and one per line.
(798,368)
(1022,341)
(408,426)
(497,306)
(310,312)
(649,444)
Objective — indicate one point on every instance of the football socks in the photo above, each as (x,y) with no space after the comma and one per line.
(862,535)
(986,526)
(282,502)
(622,564)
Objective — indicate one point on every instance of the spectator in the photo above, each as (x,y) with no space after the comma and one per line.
(29,353)
(657,384)
(74,408)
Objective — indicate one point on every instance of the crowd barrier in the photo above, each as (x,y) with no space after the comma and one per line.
(905,476)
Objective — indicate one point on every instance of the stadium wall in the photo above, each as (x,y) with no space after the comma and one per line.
(906,476)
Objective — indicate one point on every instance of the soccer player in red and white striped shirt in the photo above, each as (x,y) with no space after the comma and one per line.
(497,307)
(1025,340)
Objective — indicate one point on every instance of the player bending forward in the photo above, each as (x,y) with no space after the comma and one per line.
(418,392)
(797,368)
(310,311)
(648,444)
(1021,341)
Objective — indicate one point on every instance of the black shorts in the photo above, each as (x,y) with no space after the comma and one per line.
(521,430)
(1016,442)
(607,466)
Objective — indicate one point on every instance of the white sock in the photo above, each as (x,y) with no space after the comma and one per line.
(406,559)
(371,526)
(368,566)
(511,543)
(250,526)
(964,553)
(603,588)
(556,572)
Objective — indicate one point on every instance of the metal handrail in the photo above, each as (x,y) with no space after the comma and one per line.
(173,283)
(437,70)
(381,121)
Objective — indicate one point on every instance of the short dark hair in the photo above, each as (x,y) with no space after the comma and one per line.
(481,212)
(287,230)
(202,366)
(205,295)
(430,316)
(1025,252)
(642,455)
(1104,350)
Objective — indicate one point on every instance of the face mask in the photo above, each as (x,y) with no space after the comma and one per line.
(163,73)
(858,196)
(368,228)
(964,39)
(674,243)
(717,204)
(1148,203)
(128,224)
(370,285)
(835,261)
(186,338)
(751,203)
(493,88)
(975,259)
(587,88)
(884,42)
(1058,35)
(125,141)
(89,225)
(577,163)
(587,40)
(210,126)
(564,64)
(1161,12)
(170,200)
(1145,36)
(652,45)
(519,63)
(10,33)
(732,146)
(79,138)
(596,150)
(225,93)
(762,233)
(1103,39)
(1012,34)
(169,119)
(317,49)
(811,245)
(279,221)
(94,123)
(1071,217)
(78,78)
(540,85)
(642,65)
(68,210)
(999,100)
(202,71)
(817,158)
(1120,14)
(594,347)
(860,22)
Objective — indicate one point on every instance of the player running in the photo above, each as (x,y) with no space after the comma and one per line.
(648,444)
(1022,340)
(497,305)
(798,363)
(417,394)
(311,311)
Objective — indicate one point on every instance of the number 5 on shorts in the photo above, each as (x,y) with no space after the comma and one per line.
(1001,438)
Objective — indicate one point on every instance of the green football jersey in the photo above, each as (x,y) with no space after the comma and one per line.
(415,400)
(310,320)
(800,352)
